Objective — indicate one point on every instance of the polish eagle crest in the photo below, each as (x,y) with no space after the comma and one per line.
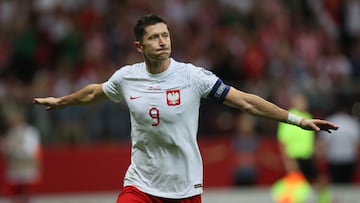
(173,97)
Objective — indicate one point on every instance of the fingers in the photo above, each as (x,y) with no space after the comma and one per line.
(309,125)
(331,125)
(325,125)
(317,125)
(39,100)
(44,101)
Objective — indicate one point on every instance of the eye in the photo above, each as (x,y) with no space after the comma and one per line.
(165,35)
(153,37)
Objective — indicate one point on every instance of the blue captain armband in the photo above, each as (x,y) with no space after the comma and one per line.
(219,91)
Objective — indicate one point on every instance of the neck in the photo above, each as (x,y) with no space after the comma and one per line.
(155,67)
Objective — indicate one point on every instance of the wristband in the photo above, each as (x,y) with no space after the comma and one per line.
(294,119)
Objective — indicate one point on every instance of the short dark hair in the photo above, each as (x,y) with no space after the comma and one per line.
(145,21)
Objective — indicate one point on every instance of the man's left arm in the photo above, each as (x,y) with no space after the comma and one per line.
(260,107)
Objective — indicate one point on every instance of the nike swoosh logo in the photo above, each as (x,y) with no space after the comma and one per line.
(132,98)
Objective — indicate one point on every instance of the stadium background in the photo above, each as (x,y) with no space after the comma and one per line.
(268,47)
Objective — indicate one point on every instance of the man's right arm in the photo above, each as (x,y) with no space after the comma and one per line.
(89,94)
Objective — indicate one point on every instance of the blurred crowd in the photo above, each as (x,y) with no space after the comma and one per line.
(272,48)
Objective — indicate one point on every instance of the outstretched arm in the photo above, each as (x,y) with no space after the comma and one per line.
(258,106)
(89,94)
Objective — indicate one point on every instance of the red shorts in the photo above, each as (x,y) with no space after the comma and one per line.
(130,194)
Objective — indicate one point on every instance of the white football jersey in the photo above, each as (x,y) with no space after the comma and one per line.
(164,112)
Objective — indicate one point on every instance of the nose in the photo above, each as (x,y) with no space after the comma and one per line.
(161,40)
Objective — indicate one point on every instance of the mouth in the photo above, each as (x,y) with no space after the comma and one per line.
(162,49)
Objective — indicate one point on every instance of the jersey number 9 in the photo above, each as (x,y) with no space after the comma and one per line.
(154,113)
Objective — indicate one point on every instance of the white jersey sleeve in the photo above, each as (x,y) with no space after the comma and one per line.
(207,84)
(112,87)
(202,80)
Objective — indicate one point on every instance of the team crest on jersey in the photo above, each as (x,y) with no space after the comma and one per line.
(173,97)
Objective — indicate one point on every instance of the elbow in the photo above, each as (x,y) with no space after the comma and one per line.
(253,105)
(251,110)
(95,90)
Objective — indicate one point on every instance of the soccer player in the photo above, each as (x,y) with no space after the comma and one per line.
(163,96)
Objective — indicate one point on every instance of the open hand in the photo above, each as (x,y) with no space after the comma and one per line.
(49,102)
(317,125)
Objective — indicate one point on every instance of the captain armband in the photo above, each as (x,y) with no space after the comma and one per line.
(294,119)
(219,91)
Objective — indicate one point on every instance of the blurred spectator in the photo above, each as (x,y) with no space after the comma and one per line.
(355,59)
(245,146)
(22,151)
(297,143)
(251,153)
(297,146)
(334,68)
(341,149)
(351,20)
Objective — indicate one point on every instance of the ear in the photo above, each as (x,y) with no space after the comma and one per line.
(138,46)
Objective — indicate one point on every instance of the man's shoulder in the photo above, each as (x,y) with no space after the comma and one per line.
(130,68)
(184,66)
(133,66)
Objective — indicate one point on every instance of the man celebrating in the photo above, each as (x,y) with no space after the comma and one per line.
(163,96)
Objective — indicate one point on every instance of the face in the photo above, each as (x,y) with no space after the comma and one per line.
(156,44)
